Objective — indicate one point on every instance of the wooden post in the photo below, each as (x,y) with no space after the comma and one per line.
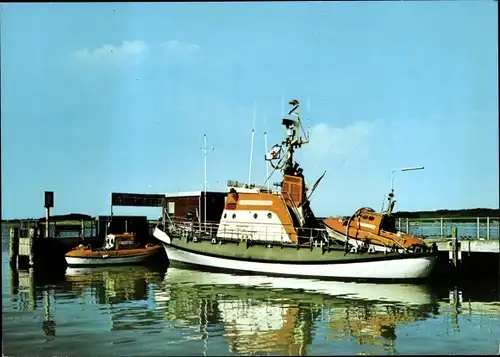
(14,246)
(442,228)
(38,230)
(31,290)
(477,228)
(488,228)
(31,237)
(14,281)
(455,251)
(48,204)
(49,326)
(407,226)
(163,216)
(47,215)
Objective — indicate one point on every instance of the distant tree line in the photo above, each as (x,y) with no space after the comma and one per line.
(441,213)
(54,218)
(446,213)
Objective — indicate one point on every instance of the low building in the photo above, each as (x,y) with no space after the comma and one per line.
(180,204)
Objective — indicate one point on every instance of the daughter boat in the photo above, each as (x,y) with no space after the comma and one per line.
(118,249)
(373,230)
(276,233)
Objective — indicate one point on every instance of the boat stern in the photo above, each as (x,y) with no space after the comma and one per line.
(417,267)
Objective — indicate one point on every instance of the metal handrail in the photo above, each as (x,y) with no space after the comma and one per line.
(182,225)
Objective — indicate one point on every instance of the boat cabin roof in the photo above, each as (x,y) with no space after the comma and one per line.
(192,194)
(123,236)
(246,188)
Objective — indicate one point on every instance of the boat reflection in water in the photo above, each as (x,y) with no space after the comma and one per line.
(126,291)
(190,312)
(281,315)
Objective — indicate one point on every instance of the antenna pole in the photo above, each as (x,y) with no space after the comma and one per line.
(265,148)
(308,117)
(282,108)
(251,145)
(205,180)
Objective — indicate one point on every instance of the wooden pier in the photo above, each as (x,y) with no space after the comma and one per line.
(467,245)
(466,258)
(30,245)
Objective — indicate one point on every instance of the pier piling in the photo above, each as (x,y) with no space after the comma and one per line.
(14,281)
(455,253)
(30,281)
(47,217)
(478,226)
(14,246)
(32,237)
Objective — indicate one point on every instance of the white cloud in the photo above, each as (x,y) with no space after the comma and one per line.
(128,52)
(177,47)
(327,141)
(180,51)
(135,52)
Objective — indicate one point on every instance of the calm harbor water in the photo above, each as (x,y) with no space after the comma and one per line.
(144,311)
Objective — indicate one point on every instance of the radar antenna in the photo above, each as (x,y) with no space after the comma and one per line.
(292,142)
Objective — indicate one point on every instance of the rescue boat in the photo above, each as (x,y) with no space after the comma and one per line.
(275,232)
(368,229)
(117,249)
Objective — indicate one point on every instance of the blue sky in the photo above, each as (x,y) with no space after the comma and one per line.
(110,97)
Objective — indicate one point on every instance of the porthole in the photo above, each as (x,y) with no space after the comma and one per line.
(255,215)
(225,215)
(234,215)
(365,217)
(371,218)
(269,215)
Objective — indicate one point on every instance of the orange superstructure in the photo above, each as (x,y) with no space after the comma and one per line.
(261,214)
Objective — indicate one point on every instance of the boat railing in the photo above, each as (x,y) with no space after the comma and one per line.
(273,232)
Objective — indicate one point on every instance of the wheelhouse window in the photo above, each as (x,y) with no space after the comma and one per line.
(389,224)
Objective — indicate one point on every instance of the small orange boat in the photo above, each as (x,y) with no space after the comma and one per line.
(117,249)
(373,231)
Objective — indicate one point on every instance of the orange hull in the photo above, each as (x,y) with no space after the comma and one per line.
(369,230)
(122,253)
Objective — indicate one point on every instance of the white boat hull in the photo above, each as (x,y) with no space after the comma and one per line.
(404,268)
(72,261)
(407,268)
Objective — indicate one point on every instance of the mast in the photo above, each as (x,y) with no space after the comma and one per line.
(308,115)
(282,108)
(293,140)
(205,180)
(251,146)
(265,150)
(205,152)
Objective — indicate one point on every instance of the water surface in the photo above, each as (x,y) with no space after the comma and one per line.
(144,311)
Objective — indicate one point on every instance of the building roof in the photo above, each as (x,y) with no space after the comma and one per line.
(192,194)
